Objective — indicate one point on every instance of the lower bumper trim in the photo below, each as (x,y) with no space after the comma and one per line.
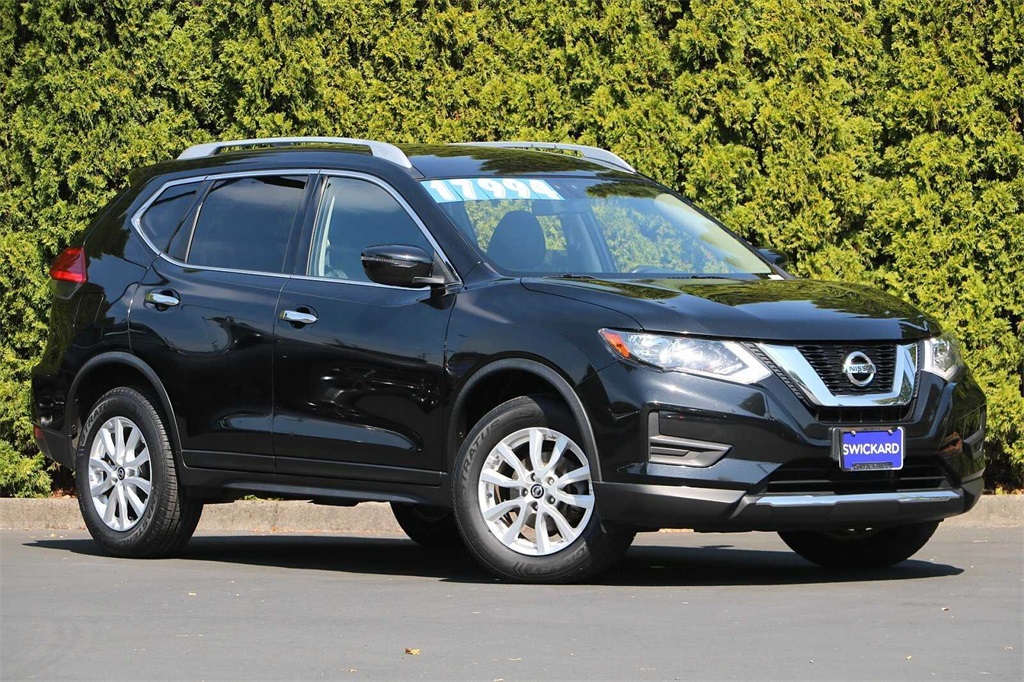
(791,501)
(709,509)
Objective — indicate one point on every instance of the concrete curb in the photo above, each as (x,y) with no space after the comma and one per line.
(260,516)
(992,511)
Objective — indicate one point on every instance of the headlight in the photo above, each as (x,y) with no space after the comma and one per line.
(719,359)
(942,356)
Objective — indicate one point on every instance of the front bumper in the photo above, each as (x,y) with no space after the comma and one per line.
(677,451)
(703,509)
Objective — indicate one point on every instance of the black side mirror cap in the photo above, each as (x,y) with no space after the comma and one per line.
(400,265)
(776,258)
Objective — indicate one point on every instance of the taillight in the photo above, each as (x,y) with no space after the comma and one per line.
(70,266)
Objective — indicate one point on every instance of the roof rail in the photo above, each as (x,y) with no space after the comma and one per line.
(382,150)
(592,153)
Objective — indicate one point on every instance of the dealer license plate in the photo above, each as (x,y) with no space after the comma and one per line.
(868,449)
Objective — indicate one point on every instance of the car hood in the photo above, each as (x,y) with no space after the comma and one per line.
(769,310)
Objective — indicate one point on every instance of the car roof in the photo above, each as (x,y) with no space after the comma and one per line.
(439,161)
(428,161)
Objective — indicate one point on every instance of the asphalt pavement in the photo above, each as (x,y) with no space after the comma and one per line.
(681,606)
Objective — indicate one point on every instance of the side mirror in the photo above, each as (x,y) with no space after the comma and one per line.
(776,258)
(399,265)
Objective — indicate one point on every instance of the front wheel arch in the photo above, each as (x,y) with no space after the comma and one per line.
(583,545)
(559,385)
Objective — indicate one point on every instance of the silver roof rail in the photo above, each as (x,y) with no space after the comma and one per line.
(381,150)
(587,152)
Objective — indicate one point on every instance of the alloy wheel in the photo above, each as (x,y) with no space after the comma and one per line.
(120,473)
(535,491)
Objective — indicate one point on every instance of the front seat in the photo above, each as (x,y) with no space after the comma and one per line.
(518,243)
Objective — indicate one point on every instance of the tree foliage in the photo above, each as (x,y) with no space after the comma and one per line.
(877,141)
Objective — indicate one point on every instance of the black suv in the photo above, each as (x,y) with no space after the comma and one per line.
(528,348)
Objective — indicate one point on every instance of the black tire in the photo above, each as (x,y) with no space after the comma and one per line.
(170,515)
(874,548)
(596,548)
(431,527)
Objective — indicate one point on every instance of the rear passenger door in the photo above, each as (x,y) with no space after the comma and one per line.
(203,317)
(358,385)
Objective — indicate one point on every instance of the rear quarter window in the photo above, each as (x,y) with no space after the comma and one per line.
(164,217)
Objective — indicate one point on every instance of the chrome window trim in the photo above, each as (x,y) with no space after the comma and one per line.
(354,282)
(136,219)
(802,374)
(356,175)
(136,222)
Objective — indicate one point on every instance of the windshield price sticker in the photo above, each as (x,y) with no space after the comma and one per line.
(490,189)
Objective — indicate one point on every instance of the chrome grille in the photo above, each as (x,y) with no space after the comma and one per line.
(827,360)
(893,389)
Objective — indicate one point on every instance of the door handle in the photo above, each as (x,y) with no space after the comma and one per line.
(298,317)
(166,299)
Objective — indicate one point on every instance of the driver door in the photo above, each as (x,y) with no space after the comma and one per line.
(359,366)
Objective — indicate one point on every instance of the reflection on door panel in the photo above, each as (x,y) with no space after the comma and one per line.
(360,388)
(214,343)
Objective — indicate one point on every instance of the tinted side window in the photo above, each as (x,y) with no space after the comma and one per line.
(355,214)
(164,216)
(244,223)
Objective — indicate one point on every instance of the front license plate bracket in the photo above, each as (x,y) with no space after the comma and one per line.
(870,449)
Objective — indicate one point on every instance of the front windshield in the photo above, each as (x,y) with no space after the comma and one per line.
(590,227)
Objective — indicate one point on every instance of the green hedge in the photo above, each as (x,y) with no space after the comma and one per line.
(875,140)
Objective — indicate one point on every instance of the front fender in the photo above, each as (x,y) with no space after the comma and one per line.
(503,326)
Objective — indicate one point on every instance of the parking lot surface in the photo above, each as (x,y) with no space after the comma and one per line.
(681,606)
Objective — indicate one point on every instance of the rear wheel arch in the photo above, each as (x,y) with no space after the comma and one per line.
(110,370)
(518,377)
